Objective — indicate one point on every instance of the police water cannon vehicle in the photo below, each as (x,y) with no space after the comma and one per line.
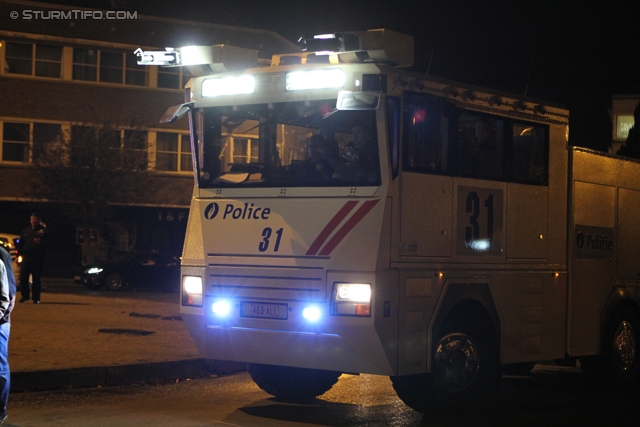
(351,216)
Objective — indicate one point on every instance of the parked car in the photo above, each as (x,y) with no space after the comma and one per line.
(137,270)
(10,243)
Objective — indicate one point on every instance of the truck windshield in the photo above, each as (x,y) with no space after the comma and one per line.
(293,144)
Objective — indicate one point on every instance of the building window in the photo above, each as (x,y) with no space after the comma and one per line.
(173,77)
(623,124)
(83,146)
(108,147)
(245,150)
(108,67)
(134,74)
(15,142)
(173,152)
(111,67)
(44,134)
(85,64)
(136,149)
(19,138)
(34,59)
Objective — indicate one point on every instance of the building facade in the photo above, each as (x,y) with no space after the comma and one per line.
(66,68)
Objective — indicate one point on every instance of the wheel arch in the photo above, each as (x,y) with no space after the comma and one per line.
(619,297)
(465,302)
(614,365)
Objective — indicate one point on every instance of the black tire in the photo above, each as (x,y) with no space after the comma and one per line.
(618,363)
(465,366)
(113,282)
(518,369)
(292,384)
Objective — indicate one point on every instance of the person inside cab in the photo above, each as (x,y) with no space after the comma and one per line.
(321,163)
(366,153)
(359,163)
(478,150)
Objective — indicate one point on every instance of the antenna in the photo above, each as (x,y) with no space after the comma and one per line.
(429,66)
(526,88)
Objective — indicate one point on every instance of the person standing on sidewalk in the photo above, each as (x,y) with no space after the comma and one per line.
(7,301)
(32,246)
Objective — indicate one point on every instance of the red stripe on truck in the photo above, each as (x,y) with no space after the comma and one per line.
(348,226)
(333,223)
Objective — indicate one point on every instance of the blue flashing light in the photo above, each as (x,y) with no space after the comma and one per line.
(311,313)
(221,308)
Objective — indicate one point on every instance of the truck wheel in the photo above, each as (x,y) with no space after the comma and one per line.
(465,365)
(293,384)
(113,282)
(619,362)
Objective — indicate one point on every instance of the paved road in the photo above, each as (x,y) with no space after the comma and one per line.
(553,397)
(74,327)
(67,286)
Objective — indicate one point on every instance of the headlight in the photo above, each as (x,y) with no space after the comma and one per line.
(351,299)
(192,291)
(94,270)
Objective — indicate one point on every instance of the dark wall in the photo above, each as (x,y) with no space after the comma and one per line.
(156,229)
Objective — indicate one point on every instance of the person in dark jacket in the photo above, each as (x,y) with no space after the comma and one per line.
(7,301)
(32,247)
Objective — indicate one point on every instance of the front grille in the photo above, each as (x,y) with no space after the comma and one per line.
(252,279)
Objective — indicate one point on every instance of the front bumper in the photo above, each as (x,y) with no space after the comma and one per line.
(352,349)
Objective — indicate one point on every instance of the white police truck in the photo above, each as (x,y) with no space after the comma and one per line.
(349,216)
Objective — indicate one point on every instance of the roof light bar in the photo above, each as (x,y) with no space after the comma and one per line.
(317,79)
(235,85)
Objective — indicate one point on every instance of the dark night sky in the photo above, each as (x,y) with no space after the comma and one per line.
(577,53)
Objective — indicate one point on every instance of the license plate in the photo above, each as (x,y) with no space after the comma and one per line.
(264,310)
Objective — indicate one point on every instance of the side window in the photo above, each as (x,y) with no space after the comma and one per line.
(479,146)
(425,146)
(528,156)
(442,138)
(393,129)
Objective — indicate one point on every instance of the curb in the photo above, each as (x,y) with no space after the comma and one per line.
(120,375)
